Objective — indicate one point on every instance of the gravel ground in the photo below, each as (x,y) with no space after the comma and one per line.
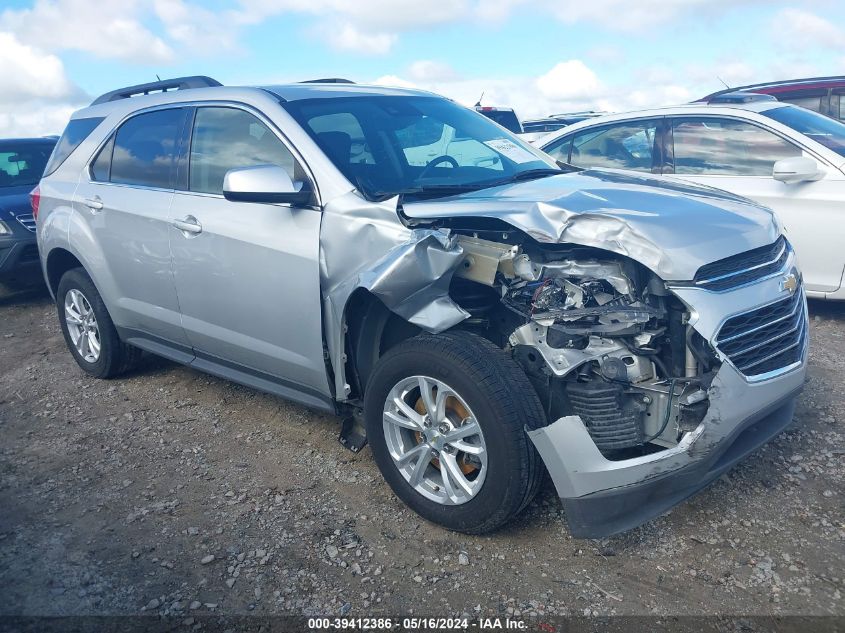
(172,492)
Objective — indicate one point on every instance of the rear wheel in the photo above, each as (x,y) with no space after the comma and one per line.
(88,329)
(446,417)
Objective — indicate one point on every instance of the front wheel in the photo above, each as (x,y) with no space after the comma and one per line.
(446,417)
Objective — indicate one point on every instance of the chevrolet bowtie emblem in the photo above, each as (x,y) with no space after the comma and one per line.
(789,282)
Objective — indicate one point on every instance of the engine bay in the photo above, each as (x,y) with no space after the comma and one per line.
(599,336)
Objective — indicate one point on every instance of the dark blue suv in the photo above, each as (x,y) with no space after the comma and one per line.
(22,163)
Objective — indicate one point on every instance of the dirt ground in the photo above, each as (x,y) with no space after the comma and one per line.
(175,493)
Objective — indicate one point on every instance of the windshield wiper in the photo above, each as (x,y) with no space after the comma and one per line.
(442,189)
(531,174)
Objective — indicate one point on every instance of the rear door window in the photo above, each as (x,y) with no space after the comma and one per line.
(229,138)
(727,147)
(627,145)
(146,148)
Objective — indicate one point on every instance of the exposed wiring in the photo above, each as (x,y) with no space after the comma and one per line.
(668,413)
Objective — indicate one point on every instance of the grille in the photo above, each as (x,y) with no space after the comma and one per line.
(611,425)
(766,339)
(28,221)
(743,268)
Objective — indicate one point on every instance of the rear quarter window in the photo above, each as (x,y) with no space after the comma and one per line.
(77,130)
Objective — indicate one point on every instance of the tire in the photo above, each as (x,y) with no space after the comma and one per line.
(486,383)
(114,357)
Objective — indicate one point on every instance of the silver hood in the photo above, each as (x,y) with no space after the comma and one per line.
(671,227)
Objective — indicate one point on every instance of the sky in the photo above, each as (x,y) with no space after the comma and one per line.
(537,56)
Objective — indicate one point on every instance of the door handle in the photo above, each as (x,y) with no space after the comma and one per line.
(95,204)
(188,225)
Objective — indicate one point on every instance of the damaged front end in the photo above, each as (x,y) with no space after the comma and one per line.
(600,337)
(652,387)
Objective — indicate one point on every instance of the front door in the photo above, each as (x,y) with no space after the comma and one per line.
(247,274)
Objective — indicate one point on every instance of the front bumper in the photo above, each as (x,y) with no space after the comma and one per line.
(18,257)
(603,497)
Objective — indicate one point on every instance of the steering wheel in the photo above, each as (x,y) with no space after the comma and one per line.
(436,161)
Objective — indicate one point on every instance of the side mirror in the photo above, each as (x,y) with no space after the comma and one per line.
(797,169)
(264,183)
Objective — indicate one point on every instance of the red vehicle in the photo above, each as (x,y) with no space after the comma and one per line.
(825,95)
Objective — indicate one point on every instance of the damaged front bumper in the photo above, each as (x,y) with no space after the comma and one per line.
(603,497)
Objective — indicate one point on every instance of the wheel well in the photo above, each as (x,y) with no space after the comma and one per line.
(59,261)
(372,329)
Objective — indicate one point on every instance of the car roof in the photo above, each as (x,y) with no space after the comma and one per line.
(125,102)
(808,83)
(319,90)
(40,140)
(724,109)
(684,108)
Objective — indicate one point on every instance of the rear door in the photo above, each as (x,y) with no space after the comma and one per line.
(738,156)
(125,202)
(247,274)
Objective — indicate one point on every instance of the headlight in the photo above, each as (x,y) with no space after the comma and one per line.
(4,228)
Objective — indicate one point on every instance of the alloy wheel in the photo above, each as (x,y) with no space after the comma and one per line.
(435,440)
(82,325)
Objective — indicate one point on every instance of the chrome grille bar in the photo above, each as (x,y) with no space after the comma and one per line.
(767,339)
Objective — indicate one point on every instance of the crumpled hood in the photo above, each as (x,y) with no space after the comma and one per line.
(672,227)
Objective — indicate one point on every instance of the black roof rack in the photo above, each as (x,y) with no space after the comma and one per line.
(177,83)
(329,80)
(740,97)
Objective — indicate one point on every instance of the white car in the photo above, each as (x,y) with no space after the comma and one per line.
(783,156)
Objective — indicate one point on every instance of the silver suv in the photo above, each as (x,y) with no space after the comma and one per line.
(480,316)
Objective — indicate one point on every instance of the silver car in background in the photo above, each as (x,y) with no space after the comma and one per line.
(479,318)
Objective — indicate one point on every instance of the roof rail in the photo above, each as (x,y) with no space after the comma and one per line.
(330,80)
(177,83)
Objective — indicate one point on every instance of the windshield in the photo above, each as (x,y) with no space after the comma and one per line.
(418,146)
(22,165)
(818,127)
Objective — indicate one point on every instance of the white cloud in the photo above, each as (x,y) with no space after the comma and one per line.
(29,73)
(569,80)
(428,70)
(569,85)
(798,29)
(195,28)
(105,29)
(36,97)
(345,37)
(395,82)
(35,121)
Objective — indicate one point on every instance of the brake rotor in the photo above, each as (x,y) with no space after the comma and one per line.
(453,405)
